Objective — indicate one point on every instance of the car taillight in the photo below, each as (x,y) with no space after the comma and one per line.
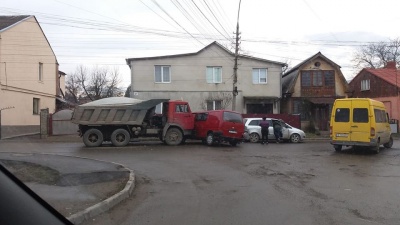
(372,131)
(330,130)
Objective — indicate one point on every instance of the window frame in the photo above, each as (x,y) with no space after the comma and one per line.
(213,75)
(162,74)
(40,71)
(365,85)
(317,78)
(258,80)
(36,106)
(213,104)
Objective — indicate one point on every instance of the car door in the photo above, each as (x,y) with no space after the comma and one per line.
(271,134)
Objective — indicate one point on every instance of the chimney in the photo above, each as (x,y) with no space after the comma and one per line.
(390,65)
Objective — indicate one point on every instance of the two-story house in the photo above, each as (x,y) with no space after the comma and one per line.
(310,88)
(205,79)
(382,84)
(28,74)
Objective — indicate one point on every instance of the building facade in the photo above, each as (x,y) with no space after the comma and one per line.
(310,88)
(382,84)
(28,74)
(205,79)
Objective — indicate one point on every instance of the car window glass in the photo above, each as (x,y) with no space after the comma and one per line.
(254,123)
(342,115)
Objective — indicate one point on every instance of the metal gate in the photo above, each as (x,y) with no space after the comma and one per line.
(60,123)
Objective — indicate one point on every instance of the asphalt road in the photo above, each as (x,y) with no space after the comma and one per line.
(307,183)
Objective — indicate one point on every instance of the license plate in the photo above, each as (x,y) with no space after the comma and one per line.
(341,135)
(232,132)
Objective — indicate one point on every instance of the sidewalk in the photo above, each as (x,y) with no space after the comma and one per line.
(79,188)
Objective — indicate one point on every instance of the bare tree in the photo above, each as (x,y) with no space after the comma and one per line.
(95,83)
(224,97)
(376,55)
(72,88)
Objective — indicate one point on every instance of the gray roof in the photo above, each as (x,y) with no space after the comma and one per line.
(8,21)
(124,101)
(206,47)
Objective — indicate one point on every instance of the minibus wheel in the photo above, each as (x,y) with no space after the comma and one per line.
(389,144)
(337,148)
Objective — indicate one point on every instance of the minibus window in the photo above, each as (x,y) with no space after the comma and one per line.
(342,115)
(380,116)
(360,115)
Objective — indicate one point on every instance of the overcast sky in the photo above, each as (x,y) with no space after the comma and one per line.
(105,33)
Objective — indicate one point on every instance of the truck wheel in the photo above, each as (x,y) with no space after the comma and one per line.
(389,144)
(173,136)
(210,139)
(93,138)
(120,137)
(337,148)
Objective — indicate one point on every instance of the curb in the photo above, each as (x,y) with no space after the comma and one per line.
(108,203)
(19,135)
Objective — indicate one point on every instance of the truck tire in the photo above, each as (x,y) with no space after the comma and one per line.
(93,138)
(173,136)
(233,143)
(120,137)
(210,139)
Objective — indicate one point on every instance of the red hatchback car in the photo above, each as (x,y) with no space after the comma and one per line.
(214,127)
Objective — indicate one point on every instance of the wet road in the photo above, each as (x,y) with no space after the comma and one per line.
(306,183)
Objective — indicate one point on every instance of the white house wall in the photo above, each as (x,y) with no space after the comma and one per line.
(188,78)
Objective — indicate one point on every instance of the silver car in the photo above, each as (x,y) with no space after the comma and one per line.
(289,133)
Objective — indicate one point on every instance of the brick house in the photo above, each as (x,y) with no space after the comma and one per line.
(310,88)
(381,84)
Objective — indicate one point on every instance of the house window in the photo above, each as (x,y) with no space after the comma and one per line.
(300,108)
(162,74)
(306,79)
(365,85)
(317,78)
(214,105)
(329,77)
(214,75)
(260,76)
(40,71)
(36,102)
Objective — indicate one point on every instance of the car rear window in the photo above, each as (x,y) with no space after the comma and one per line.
(233,117)
(360,115)
(342,115)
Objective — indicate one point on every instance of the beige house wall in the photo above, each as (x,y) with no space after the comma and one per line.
(188,79)
(22,47)
(339,84)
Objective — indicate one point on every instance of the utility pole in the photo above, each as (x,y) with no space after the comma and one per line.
(235,67)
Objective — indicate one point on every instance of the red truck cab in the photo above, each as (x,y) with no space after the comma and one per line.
(219,126)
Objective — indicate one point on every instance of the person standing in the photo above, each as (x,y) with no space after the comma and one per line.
(264,130)
(277,131)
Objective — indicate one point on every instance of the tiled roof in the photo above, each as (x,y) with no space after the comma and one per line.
(6,21)
(387,74)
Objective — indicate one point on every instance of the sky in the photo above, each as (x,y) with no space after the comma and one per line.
(104,33)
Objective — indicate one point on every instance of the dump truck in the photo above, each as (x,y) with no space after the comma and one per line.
(119,120)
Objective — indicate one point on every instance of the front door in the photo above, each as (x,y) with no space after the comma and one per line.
(183,116)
